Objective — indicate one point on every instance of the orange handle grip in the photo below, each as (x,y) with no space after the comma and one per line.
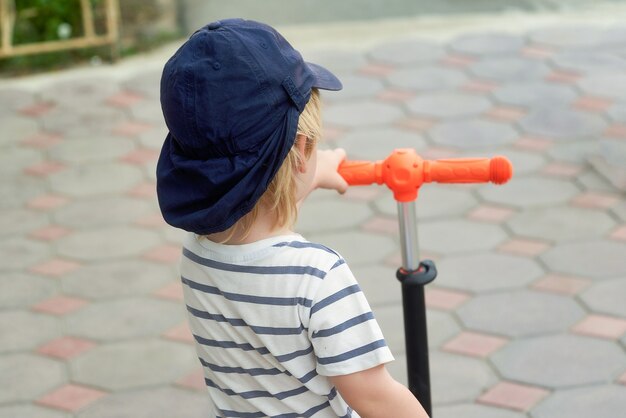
(360,172)
(497,170)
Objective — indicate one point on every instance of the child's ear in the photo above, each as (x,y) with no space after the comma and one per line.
(301,146)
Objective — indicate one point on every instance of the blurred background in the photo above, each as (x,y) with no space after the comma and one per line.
(527,317)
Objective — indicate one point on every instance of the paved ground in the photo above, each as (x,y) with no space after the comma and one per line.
(527,318)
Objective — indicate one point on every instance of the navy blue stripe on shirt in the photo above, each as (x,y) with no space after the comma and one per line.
(352,353)
(335,297)
(368,316)
(301,244)
(339,262)
(240,370)
(251,394)
(235,414)
(290,356)
(237,322)
(296,270)
(230,344)
(239,297)
(308,413)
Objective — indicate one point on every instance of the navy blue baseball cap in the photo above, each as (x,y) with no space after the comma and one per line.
(231,97)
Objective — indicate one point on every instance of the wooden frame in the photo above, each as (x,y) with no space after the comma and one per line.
(89,39)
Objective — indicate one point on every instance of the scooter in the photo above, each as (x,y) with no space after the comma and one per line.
(404,172)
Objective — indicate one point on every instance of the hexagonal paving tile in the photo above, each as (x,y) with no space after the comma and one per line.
(534,93)
(66,118)
(117,279)
(14,161)
(357,87)
(575,152)
(457,378)
(617,112)
(20,253)
(22,330)
(161,402)
(596,259)
(30,411)
(585,61)
(19,190)
(145,82)
(14,99)
(372,247)
(509,68)
(562,124)
(427,78)
(376,143)
(25,377)
(133,364)
(125,318)
(337,214)
(20,128)
(529,192)
(561,223)
(486,272)
(447,105)
(523,162)
(96,179)
(605,85)
(473,133)
(107,243)
(407,52)
(520,313)
(21,290)
(441,327)
(607,297)
(91,150)
(433,202)
(20,221)
(487,43)
(560,361)
(454,236)
(474,411)
(363,113)
(87,91)
(103,211)
(597,401)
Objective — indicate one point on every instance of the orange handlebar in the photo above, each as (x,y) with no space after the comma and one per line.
(404,172)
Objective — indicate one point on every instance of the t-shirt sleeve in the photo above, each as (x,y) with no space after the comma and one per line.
(345,335)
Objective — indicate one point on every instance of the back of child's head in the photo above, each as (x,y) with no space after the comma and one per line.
(234,97)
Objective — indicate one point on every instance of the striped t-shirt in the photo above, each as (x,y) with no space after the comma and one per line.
(271,320)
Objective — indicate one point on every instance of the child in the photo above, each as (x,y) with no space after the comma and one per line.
(281,326)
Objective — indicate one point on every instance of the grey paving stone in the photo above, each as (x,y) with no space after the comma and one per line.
(107,243)
(607,401)
(458,378)
(21,221)
(363,113)
(473,134)
(487,272)
(448,105)
(575,152)
(87,117)
(375,144)
(90,150)
(25,377)
(16,191)
(102,211)
(427,78)
(488,43)
(339,61)
(14,160)
(509,68)
(20,253)
(23,330)
(534,93)
(591,180)
(96,179)
(562,124)
(407,52)
(590,62)
(371,247)
(570,36)
(356,87)
(520,313)
(528,192)
(607,85)
(524,162)
(474,411)
(441,327)
(20,127)
(146,83)
(12,99)
(379,283)
(117,279)
(134,364)
(433,202)
(561,223)
(27,411)
(595,259)
(159,402)
(560,361)
(620,210)
(21,290)
(153,138)
(149,111)
(617,112)
(607,297)
(456,236)
(125,318)
(337,214)
(86,92)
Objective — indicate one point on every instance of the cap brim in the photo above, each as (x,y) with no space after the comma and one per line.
(324,79)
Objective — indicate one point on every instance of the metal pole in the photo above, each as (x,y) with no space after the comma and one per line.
(413,277)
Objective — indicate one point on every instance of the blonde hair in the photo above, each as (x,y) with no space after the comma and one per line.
(280,196)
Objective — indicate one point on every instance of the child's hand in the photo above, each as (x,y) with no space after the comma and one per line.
(326,174)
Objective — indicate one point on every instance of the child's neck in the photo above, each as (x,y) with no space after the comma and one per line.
(262,228)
